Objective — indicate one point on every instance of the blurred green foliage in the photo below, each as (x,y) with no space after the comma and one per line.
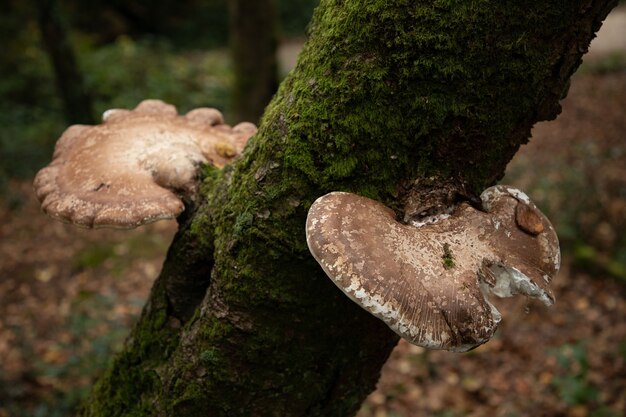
(128,51)
(116,258)
(126,71)
(612,62)
(93,256)
(188,24)
(572,383)
(295,16)
(119,74)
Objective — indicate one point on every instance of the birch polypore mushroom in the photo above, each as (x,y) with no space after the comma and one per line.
(429,281)
(137,166)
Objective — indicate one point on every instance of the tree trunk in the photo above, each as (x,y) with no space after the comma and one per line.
(242,321)
(76,100)
(253,41)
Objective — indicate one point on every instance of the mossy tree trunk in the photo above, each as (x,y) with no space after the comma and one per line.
(253,42)
(69,80)
(242,321)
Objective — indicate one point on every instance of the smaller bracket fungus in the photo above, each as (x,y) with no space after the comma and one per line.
(137,167)
(429,281)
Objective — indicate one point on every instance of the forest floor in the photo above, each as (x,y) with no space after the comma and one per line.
(68,296)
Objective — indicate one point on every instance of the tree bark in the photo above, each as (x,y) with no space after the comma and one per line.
(253,39)
(76,100)
(386,95)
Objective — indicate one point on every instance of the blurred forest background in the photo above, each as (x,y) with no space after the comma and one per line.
(68,296)
(125,51)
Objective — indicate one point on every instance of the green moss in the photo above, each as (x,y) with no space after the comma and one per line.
(244,221)
(214,329)
(193,402)
(447,257)
(421,83)
(210,177)
(124,390)
(210,357)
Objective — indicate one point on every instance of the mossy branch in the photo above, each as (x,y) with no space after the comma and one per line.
(384,93)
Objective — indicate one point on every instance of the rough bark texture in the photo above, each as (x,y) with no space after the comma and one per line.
(385,92)
(253,42)
(76,100)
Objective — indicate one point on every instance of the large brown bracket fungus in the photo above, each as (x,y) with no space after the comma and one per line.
(429,281)
(137,167)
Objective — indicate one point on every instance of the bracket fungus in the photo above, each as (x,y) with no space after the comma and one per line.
(137,167)
(429,281)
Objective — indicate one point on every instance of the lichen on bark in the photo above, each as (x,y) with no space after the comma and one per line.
(385,92)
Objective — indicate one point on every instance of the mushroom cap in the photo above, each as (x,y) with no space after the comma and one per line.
(429,283)
(134,167)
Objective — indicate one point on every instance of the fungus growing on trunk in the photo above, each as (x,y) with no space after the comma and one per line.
(429,281)
(137,167)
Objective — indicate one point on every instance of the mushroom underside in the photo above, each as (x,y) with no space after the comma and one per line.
(431,283)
